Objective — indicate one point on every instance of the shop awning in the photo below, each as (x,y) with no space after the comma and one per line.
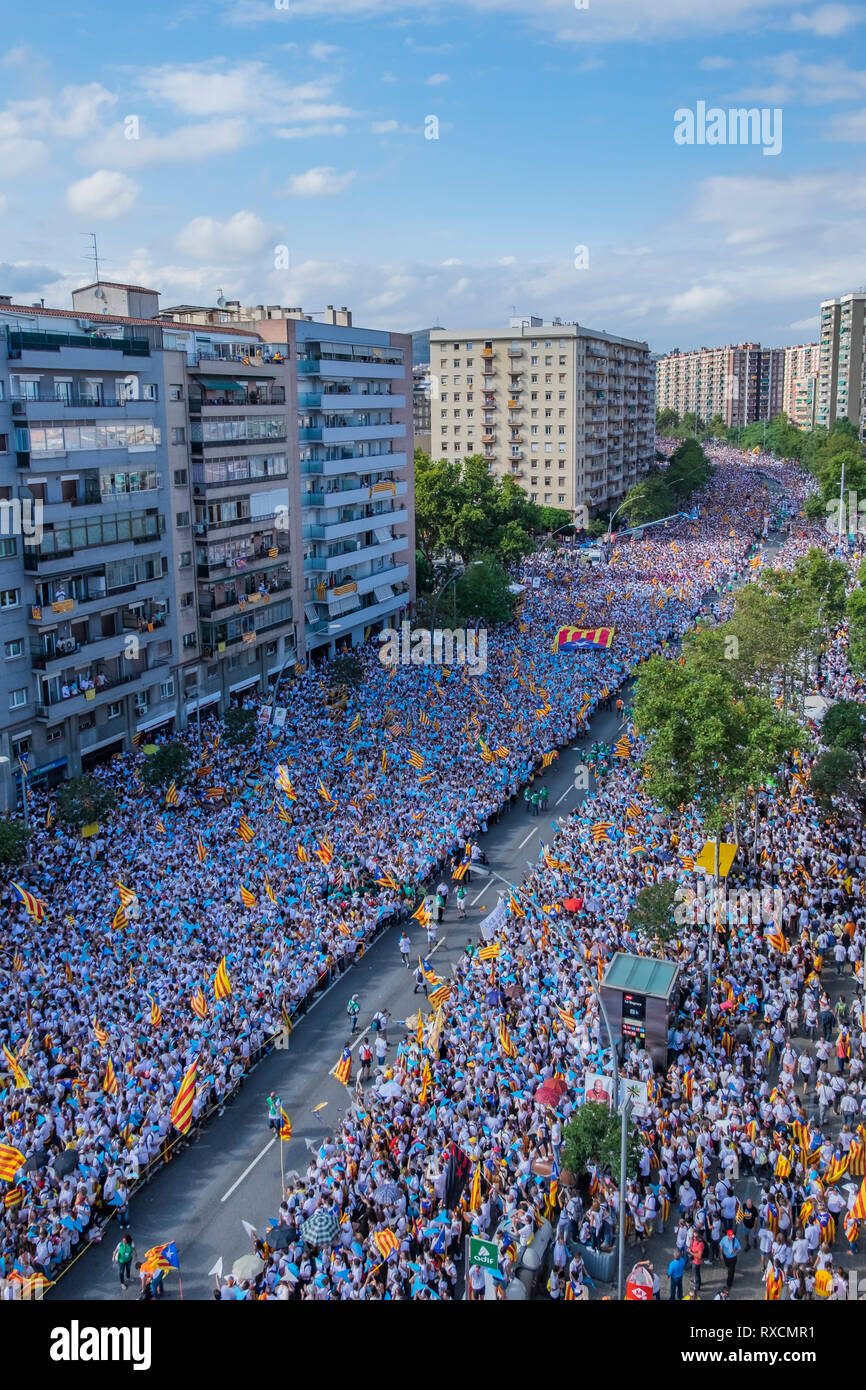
(154,723)
(244,685)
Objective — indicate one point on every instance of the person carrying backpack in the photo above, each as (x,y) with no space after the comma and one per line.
(366,1059)
(353,1008)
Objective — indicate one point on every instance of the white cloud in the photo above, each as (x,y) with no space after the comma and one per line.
(204,140)
(4,204)
(240,236)
(383,127)
(303,132)
(713,64)
(18,156)
(323,51)
(790,79)
(107,193)
(323,182)
(212,89)
(436,79)
(827,21)
(850,126)
(699,300)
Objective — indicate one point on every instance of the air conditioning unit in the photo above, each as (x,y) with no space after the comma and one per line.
(83,324)
(18,408)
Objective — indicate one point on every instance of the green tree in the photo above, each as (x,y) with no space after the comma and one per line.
(652,910)
(649,500)
(844,726)
(716,426)
(482,594)
(168,764)
(856,610)
(834,778)
(346,670)
(14,835)
(594,1136)
(667,421)
(83,801)
(239,727)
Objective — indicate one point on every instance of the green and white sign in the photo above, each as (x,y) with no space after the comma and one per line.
(484,1253)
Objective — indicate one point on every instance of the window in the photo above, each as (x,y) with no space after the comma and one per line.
(4,440)
(175,393)
(178,434)
(186,600)
(21,747)
(184,560)
(180,477)
(13,649)
(54,735)
(190,639)
(115,710)
(7,547)
(149,391)
(10,598)
(182,519)
(166,690)
(85,722)
(18,697)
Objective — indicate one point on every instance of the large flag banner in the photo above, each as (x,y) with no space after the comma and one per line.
(581,639)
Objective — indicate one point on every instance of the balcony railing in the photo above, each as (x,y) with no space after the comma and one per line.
(54,342)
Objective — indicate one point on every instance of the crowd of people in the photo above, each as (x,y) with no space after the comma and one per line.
(352,813)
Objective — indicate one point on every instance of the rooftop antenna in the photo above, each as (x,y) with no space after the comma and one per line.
(93,255)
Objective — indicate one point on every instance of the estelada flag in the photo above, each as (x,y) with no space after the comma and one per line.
(343,1069)
(11,1159)
(222,987)
(576,639)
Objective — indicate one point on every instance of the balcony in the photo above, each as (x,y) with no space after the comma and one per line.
(487,352)
(515,352)
(47,407)
(21,342)
(515,404)
(488,439)
(337,368)
(356,463)
(82,702)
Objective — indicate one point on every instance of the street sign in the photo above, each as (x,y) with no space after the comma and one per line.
(484,1253)
(636,1092)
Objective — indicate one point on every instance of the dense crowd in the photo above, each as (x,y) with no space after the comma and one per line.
(376,795)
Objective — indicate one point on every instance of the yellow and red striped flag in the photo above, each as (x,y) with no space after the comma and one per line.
(171,797)
(247,898)
(109,1082)
(386,1243)
(475,1190)
(181,1110)
(33,906)
(155,1012)
(245,830)
(505,1041)
(222,986)
(120,919)
(100,1034)
(200,851)
(302,855)
(22,1081)
(270,892)
(286,1126)
(197,1003)
(343,1069)
(11,1159)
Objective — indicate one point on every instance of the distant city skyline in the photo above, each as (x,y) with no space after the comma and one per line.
(284,155)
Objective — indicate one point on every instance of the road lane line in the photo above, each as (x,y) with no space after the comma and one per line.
(526,839)
(564,795)
(248,1169)
(479,896)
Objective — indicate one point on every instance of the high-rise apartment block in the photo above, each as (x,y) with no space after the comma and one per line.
(190,501)
(565,410)
(799,392)
(741,383)
(841,389)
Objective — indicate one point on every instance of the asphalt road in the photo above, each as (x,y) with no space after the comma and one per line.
(231,1173)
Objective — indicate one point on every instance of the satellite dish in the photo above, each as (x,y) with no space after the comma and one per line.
(99,292)
(221,304)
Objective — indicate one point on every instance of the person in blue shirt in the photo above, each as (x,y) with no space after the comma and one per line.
(676,1270)
(730,1248)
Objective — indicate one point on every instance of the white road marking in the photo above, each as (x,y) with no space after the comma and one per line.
(564,795)
(526,839)
(248,1169)
(479,896)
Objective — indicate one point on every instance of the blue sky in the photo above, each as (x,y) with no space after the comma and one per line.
(304,127)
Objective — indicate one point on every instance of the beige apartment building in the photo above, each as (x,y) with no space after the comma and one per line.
(741,382)
(799,392)
(564,410)
(841,361)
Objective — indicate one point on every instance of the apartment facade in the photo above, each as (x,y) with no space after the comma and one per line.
(564,410)
(841,390)
(799,391)
(186,551)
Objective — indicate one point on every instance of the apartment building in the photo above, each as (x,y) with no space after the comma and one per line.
(565,410)
(841,360)
(189,548)
(421,405)
(732,381)
(799,390)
